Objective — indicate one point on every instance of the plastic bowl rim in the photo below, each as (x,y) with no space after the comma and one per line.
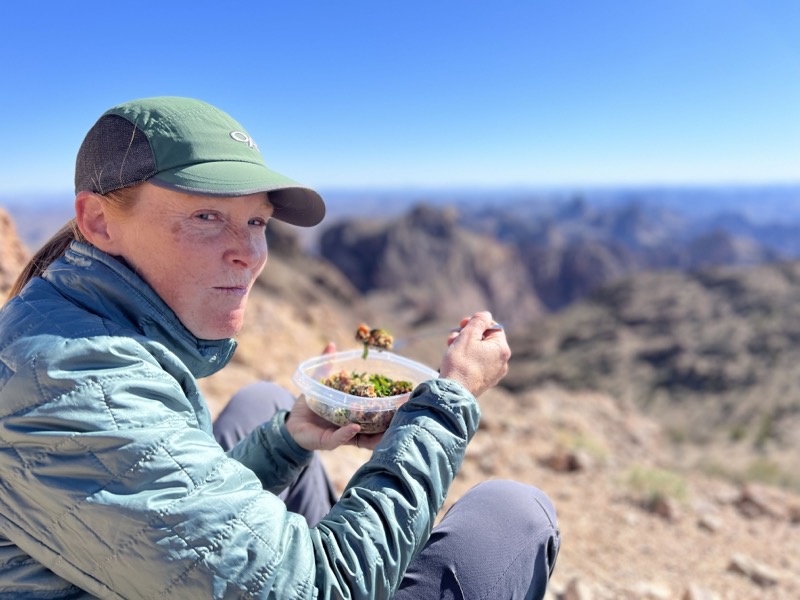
(309,386)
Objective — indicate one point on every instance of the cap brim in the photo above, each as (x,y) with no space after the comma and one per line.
(294,203)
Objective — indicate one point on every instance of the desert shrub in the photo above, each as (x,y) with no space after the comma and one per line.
(764,470)
(652,485)
(572,440)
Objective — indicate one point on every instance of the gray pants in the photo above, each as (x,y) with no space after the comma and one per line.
(499,541)
(312,493)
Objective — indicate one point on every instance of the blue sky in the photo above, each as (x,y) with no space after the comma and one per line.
(424,94)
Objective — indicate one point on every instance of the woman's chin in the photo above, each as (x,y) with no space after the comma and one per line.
(221,330)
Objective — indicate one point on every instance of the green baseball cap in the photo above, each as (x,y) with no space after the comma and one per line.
(189,146)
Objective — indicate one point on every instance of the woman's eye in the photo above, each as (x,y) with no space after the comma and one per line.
(206,216)
(258,222)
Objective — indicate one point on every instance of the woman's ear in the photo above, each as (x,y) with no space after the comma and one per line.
(92,218)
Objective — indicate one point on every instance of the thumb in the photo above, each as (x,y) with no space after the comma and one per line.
(343,435)
(329,348)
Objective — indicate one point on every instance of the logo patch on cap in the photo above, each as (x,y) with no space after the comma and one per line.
(241,136)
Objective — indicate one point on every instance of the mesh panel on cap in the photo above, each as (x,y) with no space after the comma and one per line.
(115,154)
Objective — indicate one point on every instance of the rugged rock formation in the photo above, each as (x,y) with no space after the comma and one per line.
(13,254)
(578,248)
(425,268)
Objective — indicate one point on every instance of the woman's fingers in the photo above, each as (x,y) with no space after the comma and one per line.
(476,361)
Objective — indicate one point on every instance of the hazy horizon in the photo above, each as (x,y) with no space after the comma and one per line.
(762,203)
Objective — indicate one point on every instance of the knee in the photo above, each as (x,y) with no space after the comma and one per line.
(256,403)
(515,524)
(523,510)
(247,409)
(515,498)
(261,400)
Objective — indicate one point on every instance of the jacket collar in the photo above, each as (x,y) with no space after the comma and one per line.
(110,289)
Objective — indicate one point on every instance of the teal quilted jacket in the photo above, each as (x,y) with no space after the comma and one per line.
(112,486)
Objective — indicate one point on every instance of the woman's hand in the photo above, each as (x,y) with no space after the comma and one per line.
(476,362)
(312,432)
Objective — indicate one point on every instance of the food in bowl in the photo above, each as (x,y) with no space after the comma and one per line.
(366,385)
(371,416)
(377,338)
(342,407)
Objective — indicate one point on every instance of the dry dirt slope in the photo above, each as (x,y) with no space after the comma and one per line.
(632,525)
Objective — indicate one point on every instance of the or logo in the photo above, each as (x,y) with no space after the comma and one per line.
(241,136)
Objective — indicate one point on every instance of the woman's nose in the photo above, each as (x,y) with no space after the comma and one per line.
(248,247)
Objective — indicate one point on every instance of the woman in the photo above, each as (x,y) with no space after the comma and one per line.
(113,485)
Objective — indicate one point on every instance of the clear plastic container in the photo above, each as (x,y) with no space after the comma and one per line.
(373,414)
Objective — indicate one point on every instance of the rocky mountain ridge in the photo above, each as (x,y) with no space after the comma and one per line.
(578,247)
(561,246)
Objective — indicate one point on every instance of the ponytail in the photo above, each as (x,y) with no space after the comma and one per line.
(120,200)
(52,249)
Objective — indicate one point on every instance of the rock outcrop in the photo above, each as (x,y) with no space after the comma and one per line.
(425,268)
(13,254)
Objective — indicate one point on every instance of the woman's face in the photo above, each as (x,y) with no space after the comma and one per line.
(200,254)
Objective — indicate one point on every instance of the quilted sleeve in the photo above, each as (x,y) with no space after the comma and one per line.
(271,453)
(109,483)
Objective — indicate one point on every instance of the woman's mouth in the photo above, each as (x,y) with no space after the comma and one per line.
(239,290)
